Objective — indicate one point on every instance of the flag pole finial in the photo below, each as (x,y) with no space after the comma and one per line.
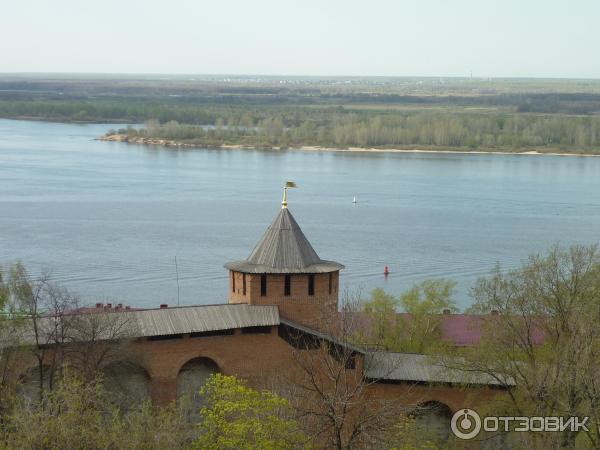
(288,184)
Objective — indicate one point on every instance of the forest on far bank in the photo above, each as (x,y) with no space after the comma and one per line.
(464,114)
(421,129)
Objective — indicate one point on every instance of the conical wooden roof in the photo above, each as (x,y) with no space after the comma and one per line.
(284,249)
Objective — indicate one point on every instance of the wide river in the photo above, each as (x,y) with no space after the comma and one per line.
(109,219)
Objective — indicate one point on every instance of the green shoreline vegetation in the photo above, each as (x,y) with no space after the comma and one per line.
(418,130)
(454,114)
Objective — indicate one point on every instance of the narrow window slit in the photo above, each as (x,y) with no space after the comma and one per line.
(288,285)
(263,285)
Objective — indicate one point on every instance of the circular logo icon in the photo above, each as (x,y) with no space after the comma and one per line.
(465,424)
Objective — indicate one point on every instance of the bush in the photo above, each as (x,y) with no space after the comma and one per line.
(77,415)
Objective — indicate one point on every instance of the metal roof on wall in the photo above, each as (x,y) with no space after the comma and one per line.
(422,368)
(194,319)
(111,324)
(197,319)
(411,367)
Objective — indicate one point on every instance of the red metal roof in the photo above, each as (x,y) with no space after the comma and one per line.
(462,330)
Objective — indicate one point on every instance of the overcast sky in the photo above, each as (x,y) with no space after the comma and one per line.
(509,38)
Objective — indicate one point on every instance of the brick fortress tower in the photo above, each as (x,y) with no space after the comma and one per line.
(284,270)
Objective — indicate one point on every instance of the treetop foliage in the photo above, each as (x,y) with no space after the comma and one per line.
(417,331)
(376,129)
(239,417)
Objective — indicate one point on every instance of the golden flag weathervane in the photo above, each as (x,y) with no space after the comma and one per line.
(288,184)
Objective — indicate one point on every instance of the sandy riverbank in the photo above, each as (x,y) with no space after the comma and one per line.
(171,143)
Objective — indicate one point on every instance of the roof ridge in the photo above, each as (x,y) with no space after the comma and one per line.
(298,237)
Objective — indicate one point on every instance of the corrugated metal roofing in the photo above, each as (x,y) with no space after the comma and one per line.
(322,336)
(193,319)
(284,249)
(161,322)
(405,366)
(420,368)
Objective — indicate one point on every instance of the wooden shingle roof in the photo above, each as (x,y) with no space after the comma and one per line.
(284,249)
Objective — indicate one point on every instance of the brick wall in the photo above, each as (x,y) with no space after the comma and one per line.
(317,310)
(237,294)
(264,360)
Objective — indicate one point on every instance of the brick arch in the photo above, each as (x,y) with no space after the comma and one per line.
(199,359)
(127,383)
(433,417)
(438,406)
(452,397)
(205,353)
(192,376)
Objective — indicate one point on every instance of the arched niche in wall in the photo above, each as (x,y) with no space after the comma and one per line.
(192,376)
(126,384)
(433,419)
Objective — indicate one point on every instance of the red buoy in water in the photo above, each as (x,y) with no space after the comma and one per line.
(386,271)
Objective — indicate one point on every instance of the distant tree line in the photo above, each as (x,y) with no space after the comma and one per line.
(547,96)
(462,115)
(422,129)
(206,107)
(132,111)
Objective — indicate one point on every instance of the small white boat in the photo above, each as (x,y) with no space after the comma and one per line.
(354,199)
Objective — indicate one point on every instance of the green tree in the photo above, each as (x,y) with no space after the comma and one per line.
(11,327)
(544,337)
(382,312)
(239,417)
(419,330)
(78,415)
(425,304)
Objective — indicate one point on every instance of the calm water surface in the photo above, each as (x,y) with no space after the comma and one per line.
(108,219)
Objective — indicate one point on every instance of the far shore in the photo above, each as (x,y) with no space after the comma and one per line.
(63,120)
(313,148)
